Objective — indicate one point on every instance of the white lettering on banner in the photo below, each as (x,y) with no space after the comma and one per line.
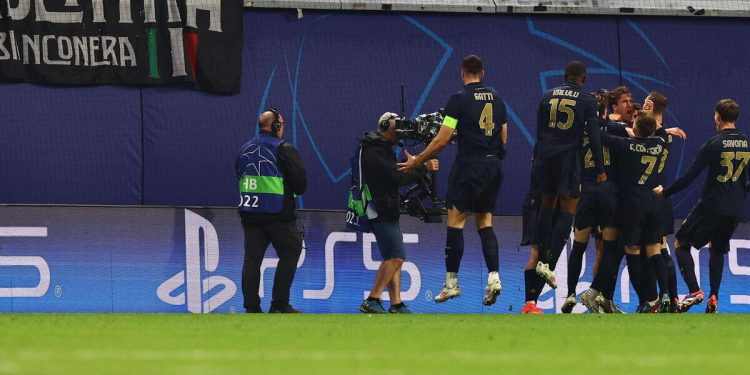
(331,241)
(416,278)
(736,269)
(42,14)
(61,50)
(31,261)
(211,6)
(191,275)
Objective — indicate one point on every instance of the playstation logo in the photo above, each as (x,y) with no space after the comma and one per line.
(190,277)
(28,261)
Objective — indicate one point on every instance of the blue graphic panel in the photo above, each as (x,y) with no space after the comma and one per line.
(97,259)
(332,74)
(71,145)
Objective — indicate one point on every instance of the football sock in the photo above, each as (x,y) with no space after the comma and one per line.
(454,249)
(715,269)
(671,273)
(605,269)
(530,282)
(373,299)
(560,235)
(648,284)
(575,263)
(634,269)
(687,268)
(489,248)
(544,228)
(610,267)
(658,269)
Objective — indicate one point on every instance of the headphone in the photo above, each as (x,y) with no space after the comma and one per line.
(275,125)
(385,124)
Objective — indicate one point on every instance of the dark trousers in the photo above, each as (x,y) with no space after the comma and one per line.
(286,239)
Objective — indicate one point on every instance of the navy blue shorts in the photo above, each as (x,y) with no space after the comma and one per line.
(596,209)
(701,227)
(641,221)
(390,239)
(474,185)
(560,174)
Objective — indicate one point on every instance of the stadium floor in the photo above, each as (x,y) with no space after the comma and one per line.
(363,344)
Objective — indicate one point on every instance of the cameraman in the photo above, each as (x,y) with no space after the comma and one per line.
(383,178)
(478,115)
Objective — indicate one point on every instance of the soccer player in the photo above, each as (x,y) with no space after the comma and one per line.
(596,208)
(563,114)
(621,105)
(656,105)
(716,215)
(478,115)
(638,162)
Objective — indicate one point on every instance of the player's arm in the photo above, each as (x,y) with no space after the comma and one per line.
(592,126)
(699,164)
(379,162)
(441,140)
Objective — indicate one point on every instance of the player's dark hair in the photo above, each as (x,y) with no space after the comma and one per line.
(602,98)
(574,71)
(728,110)
(660,101)
(637,107)
(615,95)
(645,124)
(472,64)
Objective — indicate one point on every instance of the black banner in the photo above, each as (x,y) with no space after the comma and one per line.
(133,42)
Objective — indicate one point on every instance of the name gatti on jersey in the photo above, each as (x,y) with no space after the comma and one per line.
(641,149)
(483,96)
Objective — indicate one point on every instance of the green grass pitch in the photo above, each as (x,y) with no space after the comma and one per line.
(362,344)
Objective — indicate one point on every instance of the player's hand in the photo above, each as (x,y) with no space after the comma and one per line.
(658,191)
(601,177)
(615,117)
(677,132)
(432,165)
(409,163)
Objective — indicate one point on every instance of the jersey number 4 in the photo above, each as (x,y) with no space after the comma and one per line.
(726,161)
(562,106)
(485,120)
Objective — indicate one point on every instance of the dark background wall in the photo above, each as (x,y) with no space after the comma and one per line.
(332,75)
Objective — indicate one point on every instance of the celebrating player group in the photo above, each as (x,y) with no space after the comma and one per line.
(598,167)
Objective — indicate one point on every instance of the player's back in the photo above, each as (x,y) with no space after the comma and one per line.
(480,112)
(561,118)
(638,163)
(725,186)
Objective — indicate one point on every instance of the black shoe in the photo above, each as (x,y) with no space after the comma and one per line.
(254,310)
(286,309)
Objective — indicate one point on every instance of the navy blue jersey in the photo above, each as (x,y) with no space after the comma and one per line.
(726,155)
(588,176)
(563,114)
(638,161)
(476,113)
(662,133)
